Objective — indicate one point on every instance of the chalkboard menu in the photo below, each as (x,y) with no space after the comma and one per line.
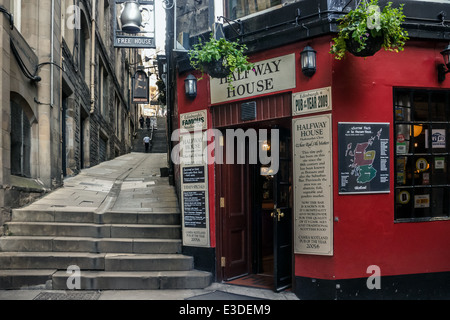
(363,157)
(194,203)
(194,174)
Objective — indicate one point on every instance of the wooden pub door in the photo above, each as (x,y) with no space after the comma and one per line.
(245,215)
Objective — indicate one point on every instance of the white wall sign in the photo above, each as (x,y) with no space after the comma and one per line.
(268,76)
(194,120)
(313,194)
(194,181)
(310,101)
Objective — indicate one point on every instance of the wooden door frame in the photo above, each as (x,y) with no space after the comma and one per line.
(221,191)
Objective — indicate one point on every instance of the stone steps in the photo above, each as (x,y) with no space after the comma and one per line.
(87,244)
(126,238)
(93,230)
(92,280)
(162,215)
(110,256)
(23,278)
(96,261)
(105,280)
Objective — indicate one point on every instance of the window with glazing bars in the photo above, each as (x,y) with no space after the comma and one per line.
(422,131)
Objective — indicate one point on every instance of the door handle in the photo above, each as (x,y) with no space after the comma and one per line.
(277,213)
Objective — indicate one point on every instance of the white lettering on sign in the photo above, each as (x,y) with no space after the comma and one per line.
(189,120)
(267,76)
(316,100)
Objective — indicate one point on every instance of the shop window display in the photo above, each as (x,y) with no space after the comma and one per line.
(422,128)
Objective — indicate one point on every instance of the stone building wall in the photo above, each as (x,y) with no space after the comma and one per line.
(61,106)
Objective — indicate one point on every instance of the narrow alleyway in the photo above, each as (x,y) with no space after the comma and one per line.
(118,222)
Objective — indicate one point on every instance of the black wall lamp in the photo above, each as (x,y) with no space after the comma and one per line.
(444,68)
(308,60)
(190,86)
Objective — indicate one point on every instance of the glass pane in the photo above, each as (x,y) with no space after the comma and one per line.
(16,138)
(404,171)
(422,170)
(284,171)
(439,138)
(437,107)
(403,203)
(437,202)
(267,192)
(240,8)
(420,139)
(446,206)
(283,201)
(422,202)
(439,170)
(403,139)
(402,106)
(421,106)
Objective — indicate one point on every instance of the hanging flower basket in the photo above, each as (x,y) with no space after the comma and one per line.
(368,28)
(372,46)
(219,58)
(217,68)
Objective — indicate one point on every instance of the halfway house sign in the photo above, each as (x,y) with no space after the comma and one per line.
(268,76)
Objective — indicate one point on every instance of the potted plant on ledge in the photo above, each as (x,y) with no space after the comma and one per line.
(367,29)
(219,58)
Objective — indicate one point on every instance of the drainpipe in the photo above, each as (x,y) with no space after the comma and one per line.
(93,57)
(52,33)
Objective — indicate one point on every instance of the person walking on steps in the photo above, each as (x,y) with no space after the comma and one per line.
(147,122)
(141,121)
(146,143)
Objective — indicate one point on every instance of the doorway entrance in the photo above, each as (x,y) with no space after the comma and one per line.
(255,219)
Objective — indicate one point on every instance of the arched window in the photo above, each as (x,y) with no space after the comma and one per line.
(20,141)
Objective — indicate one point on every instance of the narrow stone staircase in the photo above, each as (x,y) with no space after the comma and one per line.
(158,138)
(132,242)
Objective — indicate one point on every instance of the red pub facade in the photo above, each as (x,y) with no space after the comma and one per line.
(354,202)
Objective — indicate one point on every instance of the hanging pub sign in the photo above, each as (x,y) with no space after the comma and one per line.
(135,24)
(140,87)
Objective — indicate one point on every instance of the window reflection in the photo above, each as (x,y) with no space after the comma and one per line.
(239,8)
(422,128)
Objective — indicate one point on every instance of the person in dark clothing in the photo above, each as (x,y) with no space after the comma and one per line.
(147,122)
(141,121)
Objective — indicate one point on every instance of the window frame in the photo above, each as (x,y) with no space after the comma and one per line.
(20,141)
(431,187)
(16,10)
(103,90)
(226,9)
